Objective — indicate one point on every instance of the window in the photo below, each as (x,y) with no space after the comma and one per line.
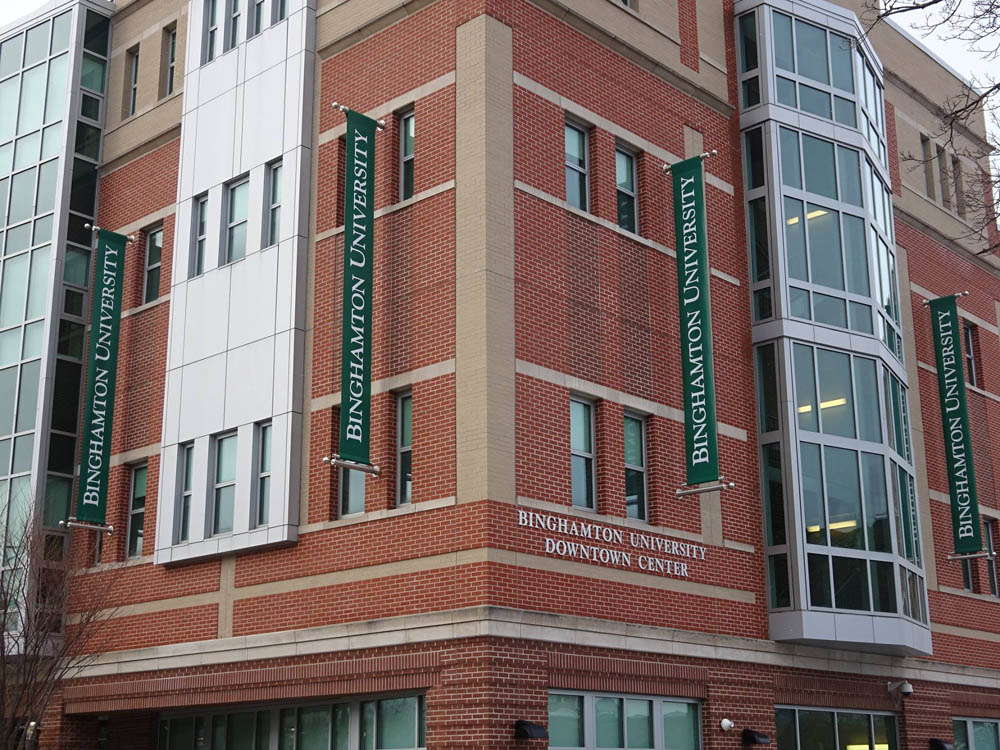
(958,185)
(635,467)
(154,256)
(199,230)
(967,575)
(625,180)
(976,734)
(407,133)
(595,720)
(132,80)
(942,165)
(804,729)
(970,338)
(278,10)
(258,18)
(186,458)
(136,511)
(169,74)
(576,166)
(989,536)
(928,159)
(263,472)
(236,219)
(232,23)
(273,220)
(352,492)
(404,448)
(224,483)
(581,436)
(211,41)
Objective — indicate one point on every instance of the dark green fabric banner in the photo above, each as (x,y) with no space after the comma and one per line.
(700,431)
(946,328)
(102,365)
(359,229)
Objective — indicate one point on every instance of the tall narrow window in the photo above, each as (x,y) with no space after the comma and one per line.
(967,582)
(626,189)
(927,157)
(969,339)
(581,438)
(232,23)
(635,467)
(132,84)
(211,22)
(169,78)
(942,165)
(186,457)
(258,17)
(236,220)
(136,511)
(958,185)
(407,134)
(263,472)
(352,492)
(404,448)
(989,534)
(154,256)
(278,10)
(273,204)
(224,490)
(576,166)
(199,228)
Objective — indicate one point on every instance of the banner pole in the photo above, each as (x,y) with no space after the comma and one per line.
(380,124)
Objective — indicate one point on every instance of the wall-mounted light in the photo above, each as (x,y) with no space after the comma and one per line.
(753,737)
(902,689)
(527,730)
(726,724)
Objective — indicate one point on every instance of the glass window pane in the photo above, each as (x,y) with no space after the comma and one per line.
(830,310)
(681,728)
(10,346)
(60,32)
(816,730)
(92,74)
(821,176)
(576,147)
(805,388)
(961,731)
(883,586)
(576,188)
(639,723)
(635,494)
(885,732)
(582,471)
(856,255)
(83,193)
(10,55)
(31,109)
(841,61)
(812,493)
(223,518)
(795,240)
(76,267)
(55,98)
(610,728)
(405,421)
(786,734)
(633,441)
(849,166)
(825,255)
(800,303)
(760,255)
(566,720)
(37,283)
(625,171)
(815,101)
(844,112)
(774,494)
(843,497)
(791,171)
(754,158)
(8,390)
(786,92)
(22,197)
(767,389)
(861,317)
(835,395)
(14,290)
(850,575)
(784,57)
(26,150)
(48,173)
(779,588)
(852,729)
(182,733)
(810,51)
(626,211)
(748,42)
(95,36)
(225,469)
(580,428)
(238,196)
(866,389)
(751,92)
(397,723)
(66,397)
(236,245)
(314,729)
(876,503)
(984,735)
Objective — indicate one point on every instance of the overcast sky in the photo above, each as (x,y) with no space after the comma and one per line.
(956,54)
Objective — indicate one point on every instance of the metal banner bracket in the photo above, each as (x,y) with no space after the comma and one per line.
(926,302)
(343,463)
(973,556)
(704,155)
(72,523)
(95,228)
(721,486)
(380,124)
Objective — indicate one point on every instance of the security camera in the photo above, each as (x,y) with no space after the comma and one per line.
(903,688)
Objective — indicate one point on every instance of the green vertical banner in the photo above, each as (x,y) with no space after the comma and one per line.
(701,447)
(946,329)
(359,229)
(102,366)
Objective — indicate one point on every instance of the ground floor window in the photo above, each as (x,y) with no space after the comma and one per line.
(395,723)
(976,734)
(818,729)
(598,720)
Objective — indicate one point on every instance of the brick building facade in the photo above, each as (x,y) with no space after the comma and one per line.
(523,555)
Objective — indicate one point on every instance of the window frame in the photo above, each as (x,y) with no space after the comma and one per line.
(169,60)
(279,11)
(968,722)
(230,225)
(185,485)
(199,232)
(990,526)
(132,80)
(210,40)
(264,445)
(344,492)
(643,420)
(589,715)
(232,31)
(220,485)
(402,482)
(633,156)
(584,131)
(407,160)
(258,19)
(134,512)
(149,267)
(272,218)
(970,336)
(897,717)
(590,457)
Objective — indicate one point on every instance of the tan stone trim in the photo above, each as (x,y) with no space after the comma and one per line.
(227,585)
(378,515)
(973,388)
(605,393)
(968,594)
(129,155)
(146,306)
(502,622)
(136,454)
(611,226)
(149,220)
(130,562)
(386,109)
(955,630)
(578,110)
(151,607)
(391,383)
(444,187)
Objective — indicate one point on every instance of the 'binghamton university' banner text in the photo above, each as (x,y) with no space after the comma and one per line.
(946,328)
(700,439)
(102,366)
(356,354)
